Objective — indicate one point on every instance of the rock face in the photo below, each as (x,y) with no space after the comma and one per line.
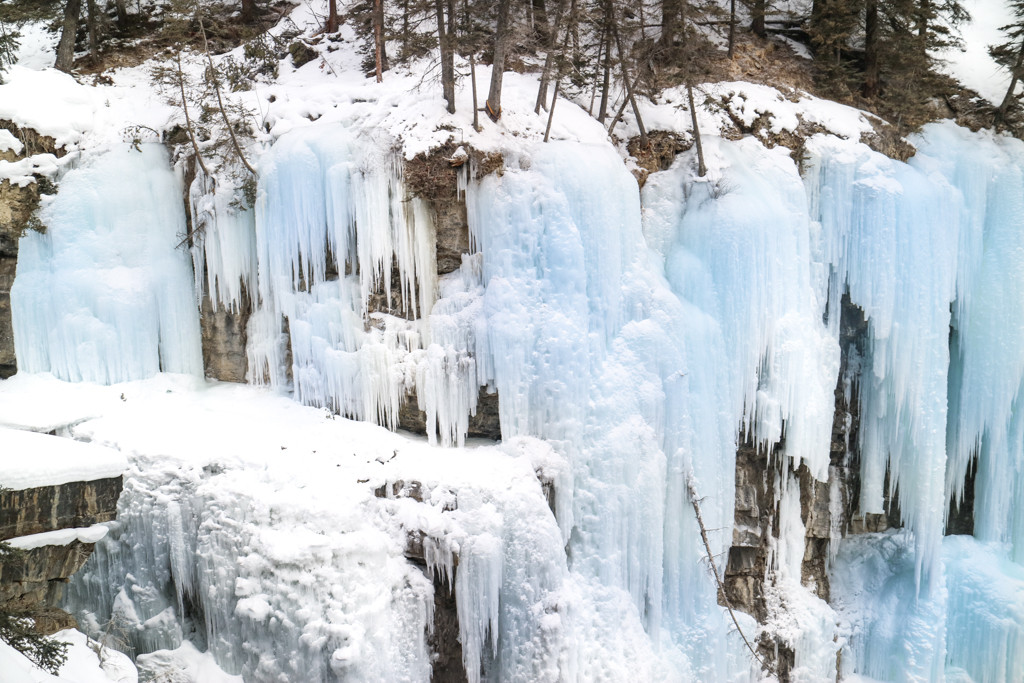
(827,509)
(16,207)
(64,506)
(435,179)
(224,340)
(34,581)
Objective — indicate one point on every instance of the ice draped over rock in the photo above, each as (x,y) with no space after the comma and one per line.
(931,252)
(641,335)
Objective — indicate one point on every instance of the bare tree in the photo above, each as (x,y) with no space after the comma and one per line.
(445,38)
(331,25)
(378,38)
(502,37)
(66,46)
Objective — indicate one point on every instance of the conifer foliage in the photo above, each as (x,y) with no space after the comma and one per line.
(1010,54)
(604,54)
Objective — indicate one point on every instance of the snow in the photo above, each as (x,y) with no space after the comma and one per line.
(83,664)
(10,143)
(48,101)
(185,664)
(290,553)
(37,46)
(54,460)
(60,537)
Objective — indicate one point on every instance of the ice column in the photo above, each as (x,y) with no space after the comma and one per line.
(891,234)
(334,227)
(104,295)
(758,362)
(590,349)
(223,243)
(275,588)
(987,363)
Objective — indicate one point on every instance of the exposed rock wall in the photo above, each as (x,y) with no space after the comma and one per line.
(34,581)
(64,506)
(827,509)
(224,338)
(434,178)
(17,205)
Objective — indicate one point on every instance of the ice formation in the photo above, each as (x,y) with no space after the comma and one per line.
(103,295)
(634,340)
(271,589)
(931,251)
(890,234)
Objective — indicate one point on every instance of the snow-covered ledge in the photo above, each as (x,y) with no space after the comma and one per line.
(29,460)
(61,537)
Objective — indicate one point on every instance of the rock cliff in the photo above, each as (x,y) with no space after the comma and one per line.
(33,580)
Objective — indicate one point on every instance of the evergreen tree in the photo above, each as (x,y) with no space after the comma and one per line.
(1010,55)
(17,627)
(8,46)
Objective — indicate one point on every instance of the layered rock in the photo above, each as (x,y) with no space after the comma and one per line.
(32,580)
(17,204)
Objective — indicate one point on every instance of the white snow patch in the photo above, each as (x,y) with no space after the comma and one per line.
(90,534)
(53,460)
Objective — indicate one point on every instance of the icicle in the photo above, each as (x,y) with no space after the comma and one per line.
(891,234)
(223,244)
(104,295)
(987,364)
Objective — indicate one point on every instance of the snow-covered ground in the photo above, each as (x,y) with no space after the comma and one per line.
(86,662)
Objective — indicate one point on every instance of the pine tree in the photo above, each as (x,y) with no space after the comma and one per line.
(17,627)
(1010,55)
(8,47)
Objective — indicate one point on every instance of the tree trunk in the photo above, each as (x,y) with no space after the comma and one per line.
(625,76)
(378,39)
(444,40)
(250,14)
(331,26)
(180,75)
(732,27)
(757,10)
(122,14)
(92,18)
(501,40)
(214,78)
(606,83)
(541,31)
(545,74)
(551,114)
(1014,77)
(870,87)
(66,46)
(476,109)
(670,16)
(702,170)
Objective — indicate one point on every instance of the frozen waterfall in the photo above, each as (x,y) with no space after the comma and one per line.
(635,340)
